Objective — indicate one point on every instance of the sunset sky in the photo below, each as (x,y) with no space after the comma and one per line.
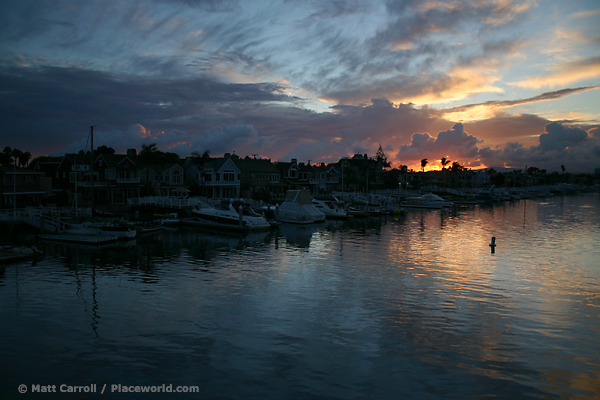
(485,83)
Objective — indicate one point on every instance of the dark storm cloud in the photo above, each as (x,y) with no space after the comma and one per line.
(559,137)
(454,143)
(47,103)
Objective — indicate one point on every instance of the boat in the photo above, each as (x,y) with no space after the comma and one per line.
(363,209)
(428,201)
(268,212)
(298,208)
(79,238)
(231,215)
(358,210)
(144,229)
(9,254)
(330,209)
(113,228)
(171,220)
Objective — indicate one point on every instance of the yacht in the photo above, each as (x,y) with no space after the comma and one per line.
(330,209)
(231,215)
(428,200)
(298,208)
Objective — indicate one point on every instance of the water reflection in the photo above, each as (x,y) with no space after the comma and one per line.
(413,305)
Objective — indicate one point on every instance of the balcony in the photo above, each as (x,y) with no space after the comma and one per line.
(128,180)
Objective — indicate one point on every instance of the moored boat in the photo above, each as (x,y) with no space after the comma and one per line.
(428,201)
(113,228)
(330,209)
(228,215)
(298,208)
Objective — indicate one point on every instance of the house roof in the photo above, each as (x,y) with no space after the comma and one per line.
(217,164)
(164,167)
(113,160)
(261,165)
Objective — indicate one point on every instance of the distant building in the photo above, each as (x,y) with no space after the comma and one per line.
(22,187)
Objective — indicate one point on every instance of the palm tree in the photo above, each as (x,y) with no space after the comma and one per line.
(423,164)
(146,157)
(16,154)
(563,168)
(456,167)
(24,159)
(444,161)
(6,157)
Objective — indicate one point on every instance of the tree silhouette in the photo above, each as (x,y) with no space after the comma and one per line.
(423,164)
(380,157)
(201,159)
(6,157)
(105,150)
(444,161)
(24,158)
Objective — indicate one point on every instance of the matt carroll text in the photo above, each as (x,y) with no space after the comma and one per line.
(64,388)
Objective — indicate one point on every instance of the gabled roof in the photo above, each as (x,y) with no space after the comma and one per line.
(72,159)
(260,165)
(164,167)
(217,164)
(115,160)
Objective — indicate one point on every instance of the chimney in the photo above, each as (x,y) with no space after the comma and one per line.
(294,161)
(131,153)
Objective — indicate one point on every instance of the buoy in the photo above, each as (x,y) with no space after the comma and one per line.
(493,244)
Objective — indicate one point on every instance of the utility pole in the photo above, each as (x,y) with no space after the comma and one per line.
(15,186)
(92,169)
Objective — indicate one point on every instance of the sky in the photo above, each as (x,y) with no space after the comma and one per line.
(497,83)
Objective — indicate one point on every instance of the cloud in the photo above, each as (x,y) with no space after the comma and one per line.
(453,143)
(565,74)
(560,144)
(559,137)
(547,96)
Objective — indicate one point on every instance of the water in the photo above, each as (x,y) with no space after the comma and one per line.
(411,307)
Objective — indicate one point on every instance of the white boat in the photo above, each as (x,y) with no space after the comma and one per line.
(298,208)
(330,209)
(112,228)
(428,200)
(228,215)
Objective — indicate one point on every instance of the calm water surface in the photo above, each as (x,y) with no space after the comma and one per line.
(415,306)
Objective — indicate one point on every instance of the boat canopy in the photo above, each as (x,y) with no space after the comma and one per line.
(299,196)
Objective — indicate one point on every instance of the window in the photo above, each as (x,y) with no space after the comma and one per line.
(228,176)
(274,178)
(176,178)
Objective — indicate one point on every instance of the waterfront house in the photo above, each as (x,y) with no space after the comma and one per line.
(260,179)
(221,177)
(22,187)
(118,178)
